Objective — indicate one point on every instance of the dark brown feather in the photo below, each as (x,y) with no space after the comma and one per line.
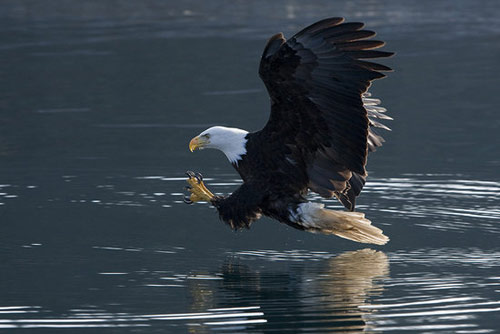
(317,84)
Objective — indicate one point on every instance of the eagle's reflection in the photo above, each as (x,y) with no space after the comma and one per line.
(315,296)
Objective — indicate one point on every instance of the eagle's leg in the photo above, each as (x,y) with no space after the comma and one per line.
(197,189)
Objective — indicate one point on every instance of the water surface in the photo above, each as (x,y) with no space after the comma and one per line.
(99,101)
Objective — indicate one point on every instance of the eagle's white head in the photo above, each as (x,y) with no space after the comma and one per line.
(231,141)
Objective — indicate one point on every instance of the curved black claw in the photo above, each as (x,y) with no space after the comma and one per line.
(187,200)
(199,177)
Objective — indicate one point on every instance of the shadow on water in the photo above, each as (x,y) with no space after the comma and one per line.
(327,297)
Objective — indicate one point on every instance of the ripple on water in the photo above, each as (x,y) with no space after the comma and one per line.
(451,204)
(437,202)
(96,318)
(267,290)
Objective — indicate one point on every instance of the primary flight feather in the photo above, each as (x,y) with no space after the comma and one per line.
(320,130)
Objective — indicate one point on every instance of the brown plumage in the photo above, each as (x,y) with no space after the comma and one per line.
(320,130)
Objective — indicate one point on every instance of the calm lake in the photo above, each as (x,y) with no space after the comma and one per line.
(98,102)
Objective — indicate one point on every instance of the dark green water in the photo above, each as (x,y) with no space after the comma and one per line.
(98,101)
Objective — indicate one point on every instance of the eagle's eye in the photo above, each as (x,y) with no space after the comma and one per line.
(206,136)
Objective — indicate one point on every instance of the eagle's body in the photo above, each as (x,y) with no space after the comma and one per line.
(318,136)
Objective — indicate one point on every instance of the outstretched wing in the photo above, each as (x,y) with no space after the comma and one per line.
(320,108)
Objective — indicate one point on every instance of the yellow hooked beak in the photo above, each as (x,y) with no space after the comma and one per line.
(197,143)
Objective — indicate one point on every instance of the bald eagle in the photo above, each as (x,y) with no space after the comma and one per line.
(322,125)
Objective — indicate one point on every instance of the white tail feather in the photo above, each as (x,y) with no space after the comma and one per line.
(349,225)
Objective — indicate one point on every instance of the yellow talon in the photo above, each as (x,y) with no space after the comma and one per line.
(197,189)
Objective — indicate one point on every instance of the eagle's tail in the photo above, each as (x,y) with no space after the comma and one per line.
(313,217)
